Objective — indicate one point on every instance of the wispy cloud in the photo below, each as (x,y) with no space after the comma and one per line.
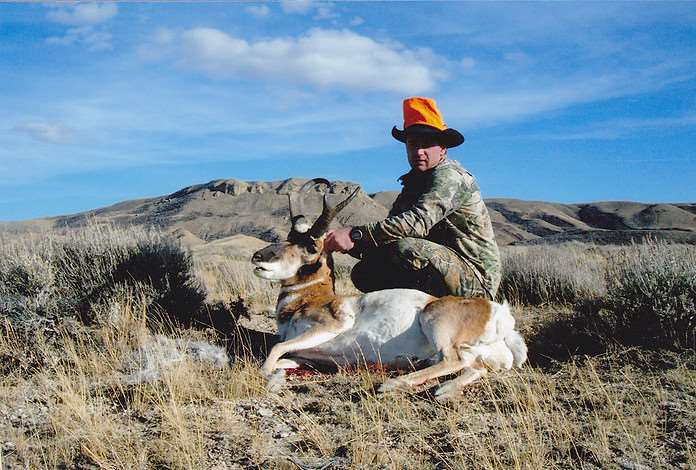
(467,63)
(93,39)
(617,128)
(322,10)
(44,132)
(325,58)
(297,6)
(259,11)
(515,87)
(326,12)
(87,20)
(83,14)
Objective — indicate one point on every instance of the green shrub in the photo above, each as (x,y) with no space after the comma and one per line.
(55,276)
(651,294)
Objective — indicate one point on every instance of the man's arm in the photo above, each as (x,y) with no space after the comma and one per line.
(448,190)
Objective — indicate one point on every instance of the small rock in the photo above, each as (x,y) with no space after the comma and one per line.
(282,431)
(265,412)
(628,465)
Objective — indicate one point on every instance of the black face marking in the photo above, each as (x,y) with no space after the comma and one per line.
(303,240)
(308,269)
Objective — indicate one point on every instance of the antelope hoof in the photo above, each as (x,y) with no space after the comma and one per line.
(267,370)
(391,385)
(276,381)
(447,391)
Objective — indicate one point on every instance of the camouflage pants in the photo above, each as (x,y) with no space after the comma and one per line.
(416,263)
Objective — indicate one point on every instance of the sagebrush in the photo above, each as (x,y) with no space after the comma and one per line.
(46,276)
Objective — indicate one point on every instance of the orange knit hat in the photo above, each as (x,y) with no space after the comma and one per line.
(421,117)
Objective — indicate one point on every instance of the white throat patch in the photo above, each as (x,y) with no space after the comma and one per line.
(297,287)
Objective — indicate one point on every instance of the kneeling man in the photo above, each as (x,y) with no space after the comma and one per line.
(438,237)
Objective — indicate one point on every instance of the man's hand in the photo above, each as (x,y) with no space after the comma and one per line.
(338,240)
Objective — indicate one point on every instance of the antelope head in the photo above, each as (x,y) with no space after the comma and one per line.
(304,245)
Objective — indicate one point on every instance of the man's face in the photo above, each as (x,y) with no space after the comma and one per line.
(424,153)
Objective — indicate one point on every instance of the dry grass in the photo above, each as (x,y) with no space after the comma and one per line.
(537,275)
(71,395)
(97,416)
(595,412)
(234,278)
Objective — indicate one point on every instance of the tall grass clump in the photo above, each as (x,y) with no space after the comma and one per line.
(53,275)
(651,295)
(230,279)
(564,274)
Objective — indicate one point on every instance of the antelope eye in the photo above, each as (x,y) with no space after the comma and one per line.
(310,246)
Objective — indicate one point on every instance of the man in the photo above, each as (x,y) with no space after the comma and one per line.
(438,236)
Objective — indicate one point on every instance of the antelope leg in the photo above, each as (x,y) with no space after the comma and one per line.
(422,376)
(454,387)
(309,339)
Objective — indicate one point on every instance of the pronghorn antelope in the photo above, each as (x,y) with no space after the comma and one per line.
(395,327)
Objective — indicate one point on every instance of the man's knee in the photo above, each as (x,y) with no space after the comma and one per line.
(361,277)
(373,274)
(387,267)
(410,253)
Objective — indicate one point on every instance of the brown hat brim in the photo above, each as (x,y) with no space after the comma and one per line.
(448,138)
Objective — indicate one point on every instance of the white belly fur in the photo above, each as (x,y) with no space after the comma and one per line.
(386,331)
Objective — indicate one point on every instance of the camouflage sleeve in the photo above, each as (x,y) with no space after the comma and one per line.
(447,192)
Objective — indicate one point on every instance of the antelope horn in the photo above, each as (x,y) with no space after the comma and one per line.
(321,225)
(295,218)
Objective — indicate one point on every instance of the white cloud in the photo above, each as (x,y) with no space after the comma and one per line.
(258,11)
(95,40)
(325,58)
(45,132)
(296,6)
(357,21)
(82,14)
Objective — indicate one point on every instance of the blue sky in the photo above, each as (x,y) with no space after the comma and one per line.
(567,102)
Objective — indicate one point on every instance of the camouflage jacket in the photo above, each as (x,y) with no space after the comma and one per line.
(443,205)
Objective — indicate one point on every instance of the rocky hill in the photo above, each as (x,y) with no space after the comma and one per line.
(221,208)
(226,207)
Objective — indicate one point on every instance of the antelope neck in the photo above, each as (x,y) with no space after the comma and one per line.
(301,285)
